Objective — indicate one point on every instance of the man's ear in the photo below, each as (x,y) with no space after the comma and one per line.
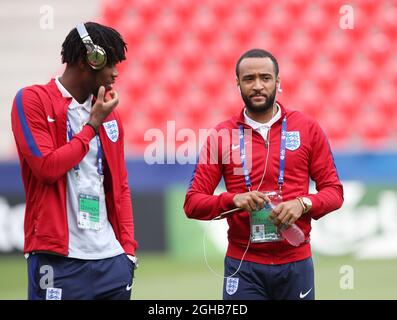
(278,85)
(238,84)
(82,64)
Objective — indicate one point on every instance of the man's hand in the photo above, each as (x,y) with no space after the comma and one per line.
(102,107)
(250,201)
(286,213)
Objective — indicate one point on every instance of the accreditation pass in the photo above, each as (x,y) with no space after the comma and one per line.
(88,217)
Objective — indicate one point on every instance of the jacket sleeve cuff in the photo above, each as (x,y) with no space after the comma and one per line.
(130,247)
(86,134)
(226,202)
(315,207)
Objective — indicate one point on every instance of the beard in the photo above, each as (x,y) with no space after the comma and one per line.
(268,104)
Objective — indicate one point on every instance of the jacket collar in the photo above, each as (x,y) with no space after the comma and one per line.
(240,119)
(58,90)
(257,125)
(53,89)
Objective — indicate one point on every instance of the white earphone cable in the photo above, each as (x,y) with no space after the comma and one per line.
(249,238)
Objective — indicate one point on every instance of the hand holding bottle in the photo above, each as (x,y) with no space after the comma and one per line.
(290,232)
(293,234)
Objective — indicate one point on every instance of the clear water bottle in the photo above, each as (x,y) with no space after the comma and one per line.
(294,235)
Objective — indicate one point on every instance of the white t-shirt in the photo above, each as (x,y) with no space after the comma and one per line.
(262,128)
(87,244)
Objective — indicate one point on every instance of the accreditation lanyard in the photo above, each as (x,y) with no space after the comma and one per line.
(99,155)
(243,155)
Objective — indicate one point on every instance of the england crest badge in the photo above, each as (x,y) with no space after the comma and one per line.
(53,294)
(231,285)
(292,140)
(112,130)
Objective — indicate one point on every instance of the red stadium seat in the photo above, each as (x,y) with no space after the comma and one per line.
(324,72)
(373,129)
(148,9)
(385,19)
(112,10)
(222,9)
(338,45)
(389,71)
(363,71)
(172,77)
(203,22)
(369,6)
(168,27)
(309,100)
(184,9)
(151,54)
(188,51)
(264,39)
(298,46)
(337,127)
(289,76)
(237,23)
(383,97)
(378,46)
(295,7)
(279,22)
(312,20)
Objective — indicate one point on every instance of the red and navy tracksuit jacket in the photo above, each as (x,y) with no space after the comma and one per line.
(312,159)
(38,117)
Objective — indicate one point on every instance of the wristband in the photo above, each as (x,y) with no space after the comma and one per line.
(89,124)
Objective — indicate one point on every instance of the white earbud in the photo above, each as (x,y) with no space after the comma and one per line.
(279,88)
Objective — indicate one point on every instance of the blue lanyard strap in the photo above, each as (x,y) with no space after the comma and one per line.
(99,155)
(281,172)
(247,178)
(282,153)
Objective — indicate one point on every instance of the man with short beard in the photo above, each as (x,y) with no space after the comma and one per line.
(278,152)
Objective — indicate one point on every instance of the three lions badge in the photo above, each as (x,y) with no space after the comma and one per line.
(231,285)
(292,140)
(112,130)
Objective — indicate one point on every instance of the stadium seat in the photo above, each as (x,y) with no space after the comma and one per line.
(336,126)
(347,98)
(298,46)
(362,72)
(324,71)
(203,22)
(386,18)
(384,97)
(389,71)
(309,100)
(279,22)
(338,46)
(372,129)
(149,10)
(312,20)
(168,27)
(378,46)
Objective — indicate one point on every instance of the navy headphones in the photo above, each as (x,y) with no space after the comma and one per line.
(96,55)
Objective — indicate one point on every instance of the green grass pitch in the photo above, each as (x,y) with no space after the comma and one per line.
(162,277)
